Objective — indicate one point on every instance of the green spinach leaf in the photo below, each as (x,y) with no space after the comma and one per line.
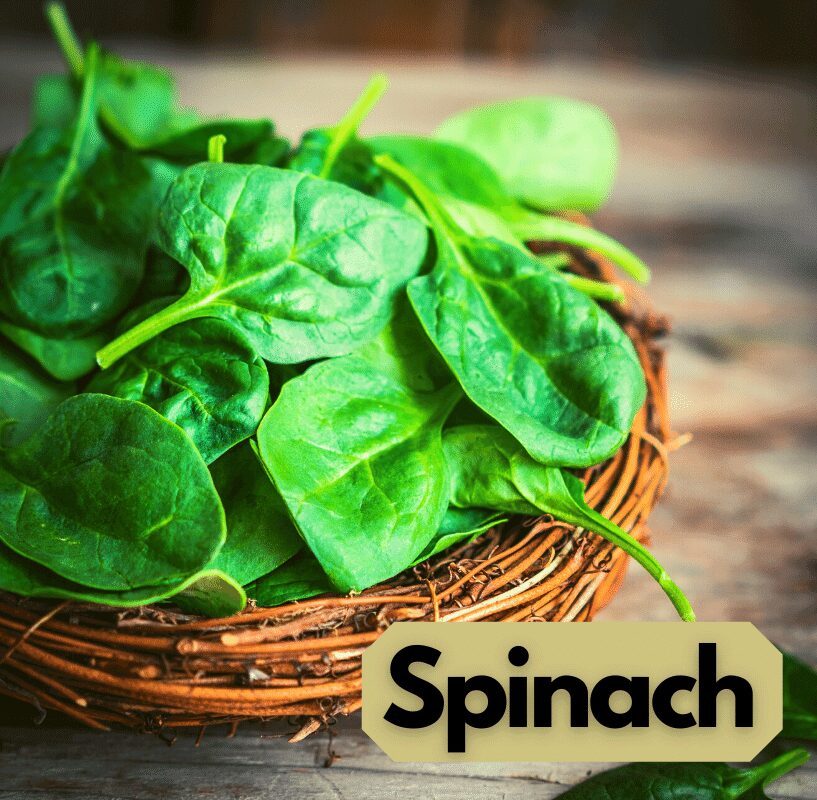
(301,577)
(799,699)
(27,396)
(203,375)
(260,532)
(306,268)
(538,356)
(552,153)
(75,216)
(217,595)
(63,359)
(657,781)
(137,104)
(459,526)
(354,447)
(110,495)
(488,468)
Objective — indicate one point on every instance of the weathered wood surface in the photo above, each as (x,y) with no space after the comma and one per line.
(717,191)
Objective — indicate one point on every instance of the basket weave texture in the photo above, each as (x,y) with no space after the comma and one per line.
(155,669)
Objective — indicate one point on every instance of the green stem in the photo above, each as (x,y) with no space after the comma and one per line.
(764,774)
(624,541)
(598,290)
(215,148)
(177,312)
(70,45)
(351,122)
(441,220)
(532,227)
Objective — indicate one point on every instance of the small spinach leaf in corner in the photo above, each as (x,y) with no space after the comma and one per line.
(799,699)
(203,375)
(659,781)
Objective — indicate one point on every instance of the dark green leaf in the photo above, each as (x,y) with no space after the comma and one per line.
(75,216)
(260,533)
(799,699)
(301,577)
(29,579)
(552,153)
(109,494)
(64,359)
(535,354)
(27,396)
(460,526)
(488,468)
(447,169)
(306,268)
(203,375)
(354,447)
(682,781)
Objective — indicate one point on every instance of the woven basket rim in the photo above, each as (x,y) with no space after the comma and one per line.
(154,669)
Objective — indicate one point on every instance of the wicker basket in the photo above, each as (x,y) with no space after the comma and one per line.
(155,669)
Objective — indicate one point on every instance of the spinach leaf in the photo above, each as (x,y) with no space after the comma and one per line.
(27,396)
(657,781)
(799,699)
(473,194)
(137,104)
(459,526)
(301,577)
(203,375)
(260,533)
(110,495)
(54,103)
(217,595)
(552,153)
(488,468)
(354,447)
(306,268)
(74,218)
(542,359)
(212,594)
(64,359)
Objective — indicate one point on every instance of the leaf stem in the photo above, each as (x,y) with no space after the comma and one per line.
(598,290)
(215,148)
(618,536)
(63,32)
(533,227)
(177,312)
(764,774)
(353,119)
(441,220)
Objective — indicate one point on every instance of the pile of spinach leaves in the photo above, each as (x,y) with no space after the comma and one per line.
(231,364)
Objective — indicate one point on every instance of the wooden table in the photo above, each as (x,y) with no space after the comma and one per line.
(716,191)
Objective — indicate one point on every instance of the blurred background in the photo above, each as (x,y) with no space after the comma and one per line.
(740,32)
(716,109)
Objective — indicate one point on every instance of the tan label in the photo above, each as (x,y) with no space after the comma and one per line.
(605,691)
